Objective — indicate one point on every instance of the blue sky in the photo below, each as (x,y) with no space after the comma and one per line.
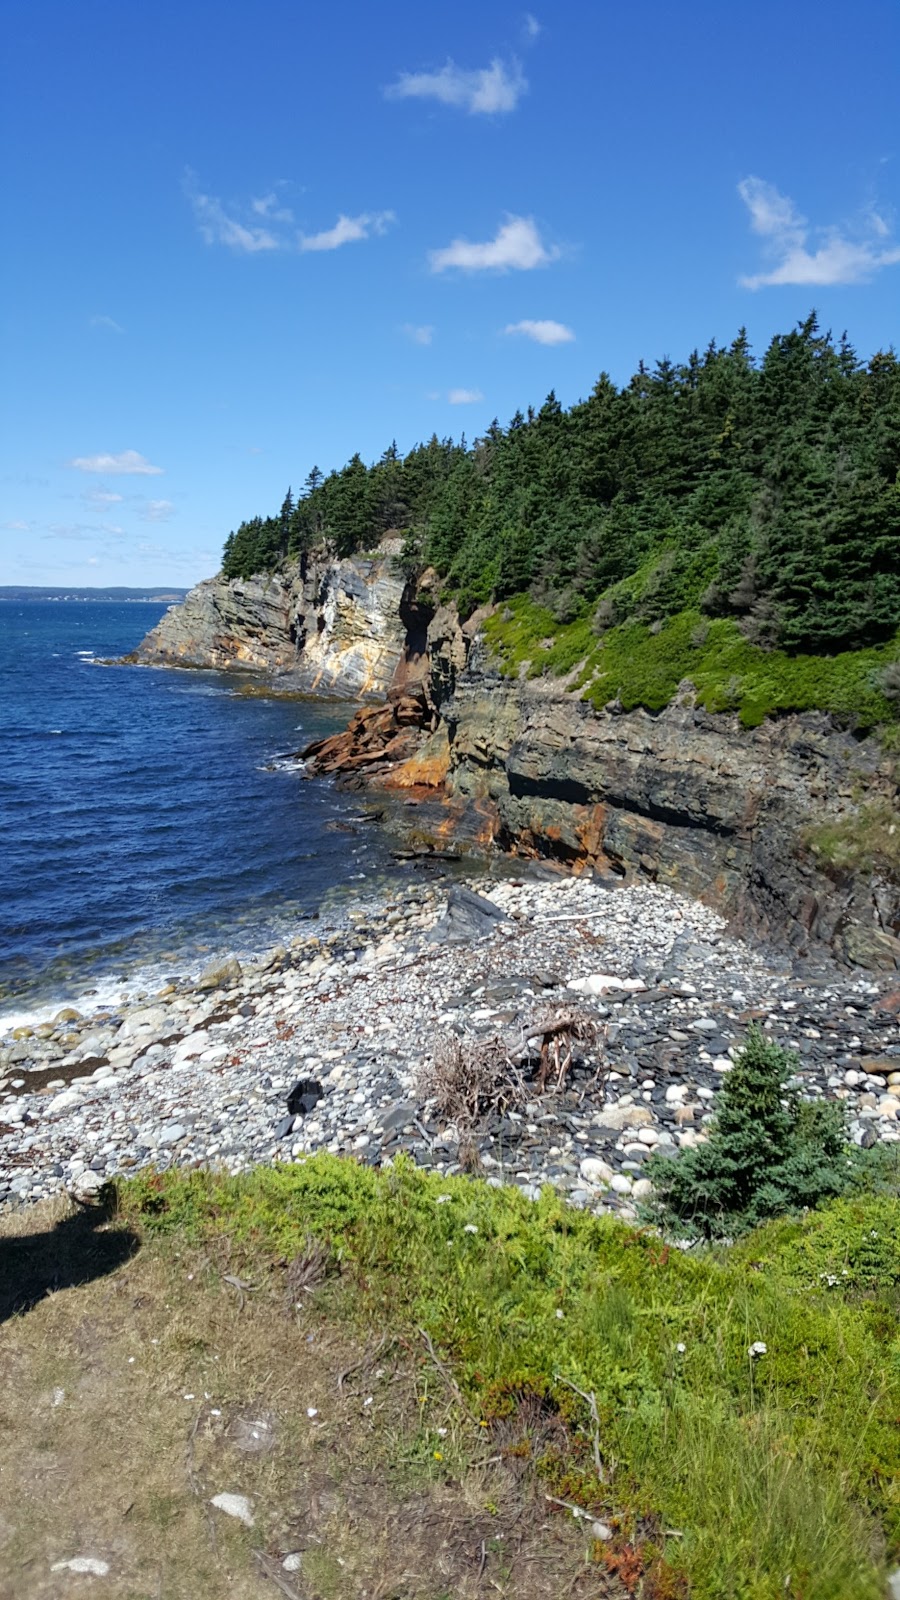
(243,239)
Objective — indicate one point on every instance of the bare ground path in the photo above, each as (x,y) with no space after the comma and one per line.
(137,1384)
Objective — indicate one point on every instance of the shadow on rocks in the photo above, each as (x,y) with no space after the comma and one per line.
(77,1250)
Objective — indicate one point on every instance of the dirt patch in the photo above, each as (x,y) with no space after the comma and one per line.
(140,1384)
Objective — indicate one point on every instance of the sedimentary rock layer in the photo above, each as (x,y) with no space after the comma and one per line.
(680,797)
(329,627)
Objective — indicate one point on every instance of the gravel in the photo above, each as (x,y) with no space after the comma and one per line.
(194,1076)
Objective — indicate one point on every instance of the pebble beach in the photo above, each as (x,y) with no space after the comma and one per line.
(320,1044)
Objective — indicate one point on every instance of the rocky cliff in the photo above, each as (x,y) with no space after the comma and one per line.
(321,626)
(680,797)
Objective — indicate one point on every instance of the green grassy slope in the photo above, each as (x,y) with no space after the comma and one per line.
(725,1474)
(643,665)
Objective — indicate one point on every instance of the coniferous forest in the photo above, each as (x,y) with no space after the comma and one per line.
(764,491)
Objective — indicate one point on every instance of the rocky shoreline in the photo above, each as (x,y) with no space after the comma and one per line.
(321,1046)
(488,755)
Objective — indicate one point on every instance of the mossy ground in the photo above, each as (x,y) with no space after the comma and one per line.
(644,668)
(726,1475)
(869,841)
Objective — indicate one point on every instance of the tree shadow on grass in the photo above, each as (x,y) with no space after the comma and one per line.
(77,1250)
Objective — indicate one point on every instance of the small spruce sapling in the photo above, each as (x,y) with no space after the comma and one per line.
(768,1152)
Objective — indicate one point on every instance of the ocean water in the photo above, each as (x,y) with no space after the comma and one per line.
(150,819)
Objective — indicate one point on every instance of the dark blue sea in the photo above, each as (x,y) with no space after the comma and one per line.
(151,818)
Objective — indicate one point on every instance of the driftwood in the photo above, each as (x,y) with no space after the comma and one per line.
(559,1036)
(468,1078)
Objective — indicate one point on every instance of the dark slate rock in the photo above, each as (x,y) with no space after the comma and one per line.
(398,1117)
(469,916)
(304,1096)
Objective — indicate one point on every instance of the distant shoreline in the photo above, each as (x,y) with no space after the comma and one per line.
(17,595)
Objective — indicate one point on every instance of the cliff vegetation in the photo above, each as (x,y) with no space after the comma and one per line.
(725,519)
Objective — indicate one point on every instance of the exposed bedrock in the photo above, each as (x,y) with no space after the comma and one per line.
(324,626)
(682,797)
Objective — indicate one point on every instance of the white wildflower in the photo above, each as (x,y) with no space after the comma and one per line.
(758,1348)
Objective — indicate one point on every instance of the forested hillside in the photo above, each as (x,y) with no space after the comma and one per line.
(766,492)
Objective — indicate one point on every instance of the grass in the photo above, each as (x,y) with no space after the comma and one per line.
(144,1383)
(869,841)
(645,668)
(779,1471)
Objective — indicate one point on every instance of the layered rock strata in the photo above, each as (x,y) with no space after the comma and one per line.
(323,626)
(680,797)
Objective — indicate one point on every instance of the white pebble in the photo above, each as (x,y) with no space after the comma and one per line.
(89,1565)
(234,1505)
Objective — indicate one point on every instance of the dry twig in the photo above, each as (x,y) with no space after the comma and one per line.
(270,1569)
(590,1400)
(446,1374)
(386,1342)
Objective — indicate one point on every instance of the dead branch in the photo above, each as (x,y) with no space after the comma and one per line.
(590,1400)
(467,1079)
(446,1374)
(270,1569)
(386,1342)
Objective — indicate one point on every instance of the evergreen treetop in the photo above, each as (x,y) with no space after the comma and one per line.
(769,492)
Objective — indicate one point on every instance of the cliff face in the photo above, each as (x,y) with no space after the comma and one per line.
(683,797)
(323,627)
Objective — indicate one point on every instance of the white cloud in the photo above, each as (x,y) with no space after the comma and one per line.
(546,332)
(17,527)
(263,224)
(217,227)
(531,25)
(157,511)
(268,205)
(347,230)
(516,246)
(101,497)
(418,335)
(127,461)
(465,397)
(483,90)
(838,259)
(107,322)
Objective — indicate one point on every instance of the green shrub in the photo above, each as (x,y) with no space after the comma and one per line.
(768,1152)
(867,841)
(644,667)
(779,1469)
